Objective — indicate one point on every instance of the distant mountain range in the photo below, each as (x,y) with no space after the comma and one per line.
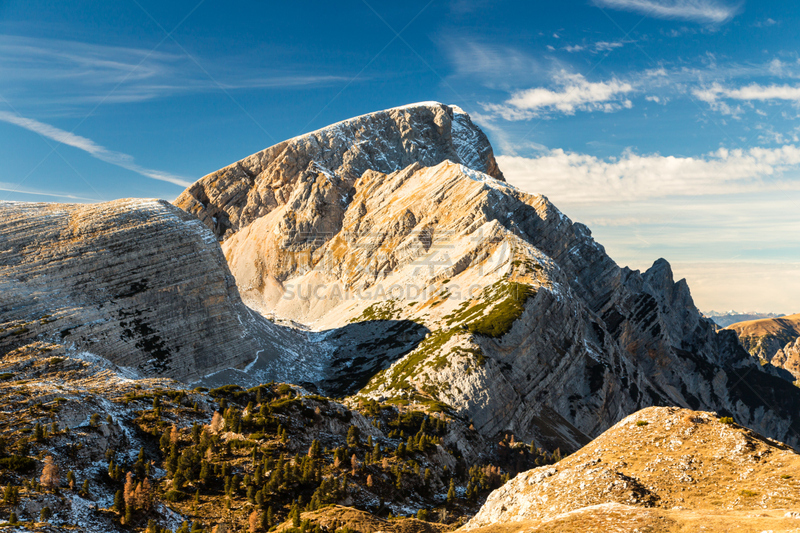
(726,318)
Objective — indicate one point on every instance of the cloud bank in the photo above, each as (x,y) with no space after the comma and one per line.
(579,178)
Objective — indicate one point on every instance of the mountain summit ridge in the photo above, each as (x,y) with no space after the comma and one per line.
(428,133)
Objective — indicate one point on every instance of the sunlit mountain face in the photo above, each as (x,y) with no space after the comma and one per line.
(411,268)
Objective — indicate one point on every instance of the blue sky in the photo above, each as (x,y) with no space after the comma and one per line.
(670,127)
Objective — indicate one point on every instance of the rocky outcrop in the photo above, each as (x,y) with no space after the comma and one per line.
(593,343)
(426,133)
(529,326)
(138,282)
(659,459)
(774,341)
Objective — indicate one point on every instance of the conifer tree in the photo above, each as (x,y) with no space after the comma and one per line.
(129,491)
(451,493)
(119,502)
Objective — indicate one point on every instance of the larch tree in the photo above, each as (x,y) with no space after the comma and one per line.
(217,422)
(50,475)
(129,492)
(254,521)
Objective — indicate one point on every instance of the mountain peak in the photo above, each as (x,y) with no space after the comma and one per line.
(384,141)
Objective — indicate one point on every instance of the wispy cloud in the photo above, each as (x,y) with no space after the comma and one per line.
(703,11)
(89,146)
(44,71)
(13,188)
(599,46)
(574,93)
(607,46)
(492,64)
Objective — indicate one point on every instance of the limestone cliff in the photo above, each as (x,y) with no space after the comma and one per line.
(139,282)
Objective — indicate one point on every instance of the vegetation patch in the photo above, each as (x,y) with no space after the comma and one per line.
(18,463)
(386,310)
(512,297)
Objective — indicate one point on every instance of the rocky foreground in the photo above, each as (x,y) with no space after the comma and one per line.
(660,469)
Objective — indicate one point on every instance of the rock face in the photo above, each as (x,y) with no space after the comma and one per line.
(426,133)
(139,282)
(591,343)
(775,341)
(656,459)
(529,327)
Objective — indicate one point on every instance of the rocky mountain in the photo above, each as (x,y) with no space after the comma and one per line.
(660,469)
(469,330)
(394,262)
(426,133)
(138,282)
(774,341)
(494,302)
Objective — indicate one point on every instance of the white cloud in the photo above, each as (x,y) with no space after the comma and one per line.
(727,221)
(760,92)
(574,93)
(765,23)
(584,179)
(604,46)
(599,46)
(89,146)
(716,94)
(704,11)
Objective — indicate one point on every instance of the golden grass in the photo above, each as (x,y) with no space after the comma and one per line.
(785,325)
